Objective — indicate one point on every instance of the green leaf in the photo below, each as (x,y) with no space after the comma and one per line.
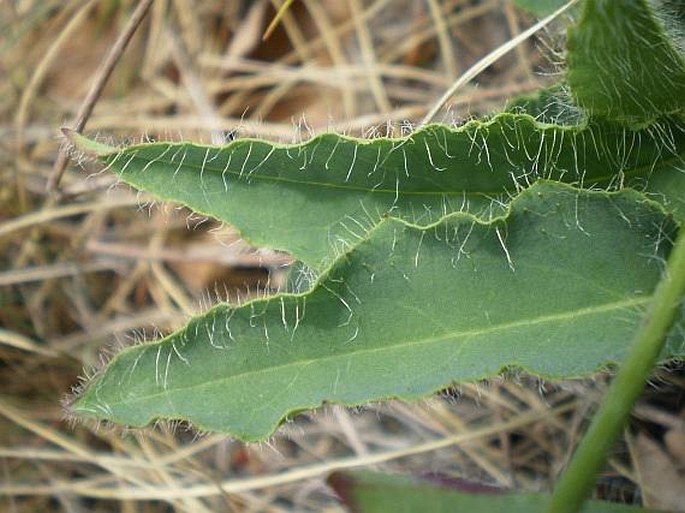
(318,198)
(370,492)
(556,287)
(622,64)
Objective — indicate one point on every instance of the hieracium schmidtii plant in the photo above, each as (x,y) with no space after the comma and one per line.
(534,239)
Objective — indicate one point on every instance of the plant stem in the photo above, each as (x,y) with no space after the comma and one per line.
(578,480)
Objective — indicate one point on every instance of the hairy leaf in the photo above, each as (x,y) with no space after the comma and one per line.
(622,64)
(556,287)
(318,198)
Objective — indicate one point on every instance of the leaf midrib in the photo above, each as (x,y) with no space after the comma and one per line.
(629,172)
(603,308)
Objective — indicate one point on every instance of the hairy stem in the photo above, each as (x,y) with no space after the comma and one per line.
(578,480)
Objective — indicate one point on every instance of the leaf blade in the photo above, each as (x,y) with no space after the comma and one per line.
(318,198)
(622,64)
(555,288)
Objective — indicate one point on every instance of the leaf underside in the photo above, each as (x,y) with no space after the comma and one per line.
(557,287)
(318,198)
(448,255)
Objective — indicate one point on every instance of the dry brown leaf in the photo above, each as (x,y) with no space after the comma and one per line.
(657,473)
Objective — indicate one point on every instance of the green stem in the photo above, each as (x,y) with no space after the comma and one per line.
(578,480)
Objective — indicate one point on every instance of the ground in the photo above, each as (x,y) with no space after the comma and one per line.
(92,265)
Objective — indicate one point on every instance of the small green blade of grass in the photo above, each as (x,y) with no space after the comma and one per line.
(368,492)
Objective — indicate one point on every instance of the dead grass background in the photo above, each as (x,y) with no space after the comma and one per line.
(91,267)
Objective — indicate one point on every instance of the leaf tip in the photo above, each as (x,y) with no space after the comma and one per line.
(87,146)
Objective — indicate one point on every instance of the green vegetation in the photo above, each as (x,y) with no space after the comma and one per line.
(445,256)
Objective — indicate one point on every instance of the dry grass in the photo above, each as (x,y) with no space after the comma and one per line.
(89,268)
